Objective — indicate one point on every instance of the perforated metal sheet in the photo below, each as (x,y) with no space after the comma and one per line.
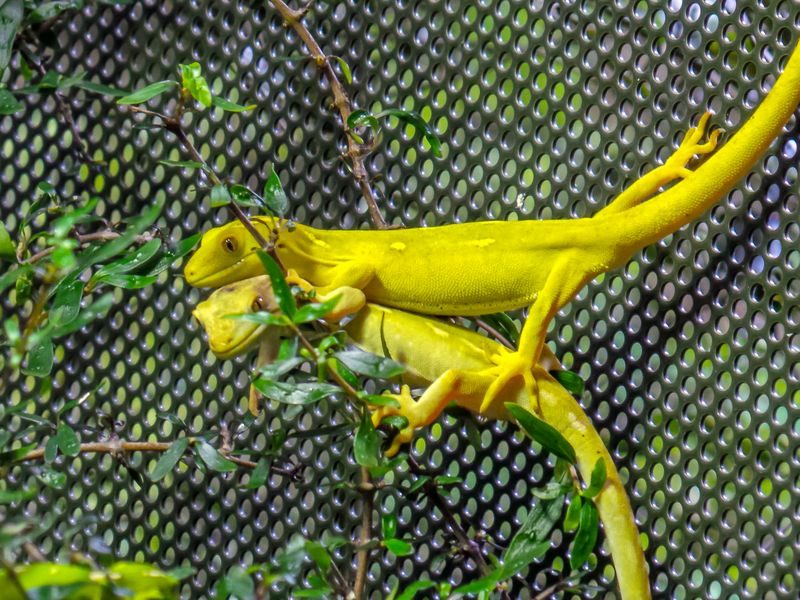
(545,110)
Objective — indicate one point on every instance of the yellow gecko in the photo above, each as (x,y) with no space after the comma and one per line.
(485,267)
(451,362)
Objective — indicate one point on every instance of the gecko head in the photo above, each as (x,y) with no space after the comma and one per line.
(226,254)
(229,336)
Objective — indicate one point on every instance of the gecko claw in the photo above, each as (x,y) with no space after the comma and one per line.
(508,366)
(407,410)
(690,146)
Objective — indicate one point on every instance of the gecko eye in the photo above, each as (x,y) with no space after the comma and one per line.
(229,244)
(258,304)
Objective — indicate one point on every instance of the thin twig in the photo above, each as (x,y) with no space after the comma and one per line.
(494,333)
(366,487)
(355,152)
(367,498)
(174,126)
(62,106)
(117,446)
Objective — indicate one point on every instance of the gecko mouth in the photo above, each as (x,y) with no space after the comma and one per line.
(230,338)
(217,278)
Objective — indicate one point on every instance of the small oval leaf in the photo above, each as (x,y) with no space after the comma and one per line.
(169,459)
(544,433)
(146,93)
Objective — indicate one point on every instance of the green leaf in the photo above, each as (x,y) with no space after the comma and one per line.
(417,484)
(505,325)
(99,88)
(547,435)
(570,381)
(48,10)
(348,75)
(411,591)
(261,317)
(143,579)
(9,456)
(128,282)
(9,496)
(396,421)
(238,583)
(230,106)
(67,303)
(380,400)
(169,459)
(11,276)
(280,288)
(52,478)
(446,480)
(487,583)
(362,117)
(572,518)
(220,196)
(130,261)
(413,118)
(598,479)
(314,311)
(398,547)
(367,444)
(586,538)
(552,489)
(244,196)
(103,252)
(343,371)
(170,256)
(90,313)
(146,93)
(8,102)
(68,441)
(532,539)
(320,555)
(39,360)
(212,458)
(258,476)
(274,196)
(192,80)
(280,367)
(294,393)
(388,525)
(51,450)
(10,19)
(188,164)
(370,365)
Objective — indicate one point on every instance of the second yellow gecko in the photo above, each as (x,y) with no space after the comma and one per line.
(451,363)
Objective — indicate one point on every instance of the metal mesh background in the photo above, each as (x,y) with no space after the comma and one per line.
(545,110)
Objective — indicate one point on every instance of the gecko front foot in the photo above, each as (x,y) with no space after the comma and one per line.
(407,409)
(508,366)
(691,146)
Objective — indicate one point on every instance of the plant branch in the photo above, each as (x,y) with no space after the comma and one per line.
(118,446)
(62,106)
(366,487)
(467,544)
(355,152)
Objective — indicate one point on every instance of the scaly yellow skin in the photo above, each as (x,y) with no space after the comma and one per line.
(452,362)
(485,267)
